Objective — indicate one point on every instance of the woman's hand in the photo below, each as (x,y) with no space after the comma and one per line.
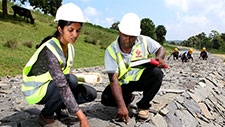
(83,119)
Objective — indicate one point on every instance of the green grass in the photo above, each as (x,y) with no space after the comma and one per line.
(14,59)
(18,32)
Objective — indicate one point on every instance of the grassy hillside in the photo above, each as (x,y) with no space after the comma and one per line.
(18,40)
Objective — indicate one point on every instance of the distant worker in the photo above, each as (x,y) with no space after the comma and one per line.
(203,54)
(175,54)
(186,56)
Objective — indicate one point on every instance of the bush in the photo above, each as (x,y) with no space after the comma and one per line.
(90,40)
(28,44)
(13,44)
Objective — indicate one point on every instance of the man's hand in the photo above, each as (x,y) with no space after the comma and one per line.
(123,114)
(161,62)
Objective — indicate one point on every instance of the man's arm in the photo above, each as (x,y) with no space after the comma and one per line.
(160,54)
(116,89)
(122,112)
(170,55)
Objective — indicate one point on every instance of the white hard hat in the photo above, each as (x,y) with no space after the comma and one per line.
(69,12)
(130,24)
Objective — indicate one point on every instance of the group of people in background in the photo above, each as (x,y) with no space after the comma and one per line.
(188,55)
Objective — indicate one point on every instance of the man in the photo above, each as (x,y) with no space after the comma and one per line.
(175,54)
(187,56)
(203,54)
(131,46)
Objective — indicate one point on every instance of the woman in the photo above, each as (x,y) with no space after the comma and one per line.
(46,76)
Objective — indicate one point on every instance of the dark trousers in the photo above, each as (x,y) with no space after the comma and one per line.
(203,55)
(175,57)
(149,82)
(52,99)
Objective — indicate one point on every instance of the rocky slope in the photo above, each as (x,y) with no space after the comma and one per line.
(192,95)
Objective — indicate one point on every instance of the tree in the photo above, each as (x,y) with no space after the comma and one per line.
(148,28)
(223,36)
(214,37)
(47,6)
(4,9)
(215,40)
(216,43)
(202,40)
(115,26)
(160,34)
(192,41)
(213,34)
(222,47)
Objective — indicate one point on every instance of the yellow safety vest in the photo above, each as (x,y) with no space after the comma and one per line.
(126,73)
(34,87)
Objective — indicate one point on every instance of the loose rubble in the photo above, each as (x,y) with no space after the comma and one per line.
(192,95)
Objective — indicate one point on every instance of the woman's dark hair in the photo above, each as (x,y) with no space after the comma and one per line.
(61,24)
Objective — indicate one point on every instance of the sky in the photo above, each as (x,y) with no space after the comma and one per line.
(181,18)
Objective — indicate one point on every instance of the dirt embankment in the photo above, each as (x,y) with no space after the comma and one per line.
(222,56)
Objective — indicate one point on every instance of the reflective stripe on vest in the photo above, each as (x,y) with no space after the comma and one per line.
(127,74)
(34,87)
